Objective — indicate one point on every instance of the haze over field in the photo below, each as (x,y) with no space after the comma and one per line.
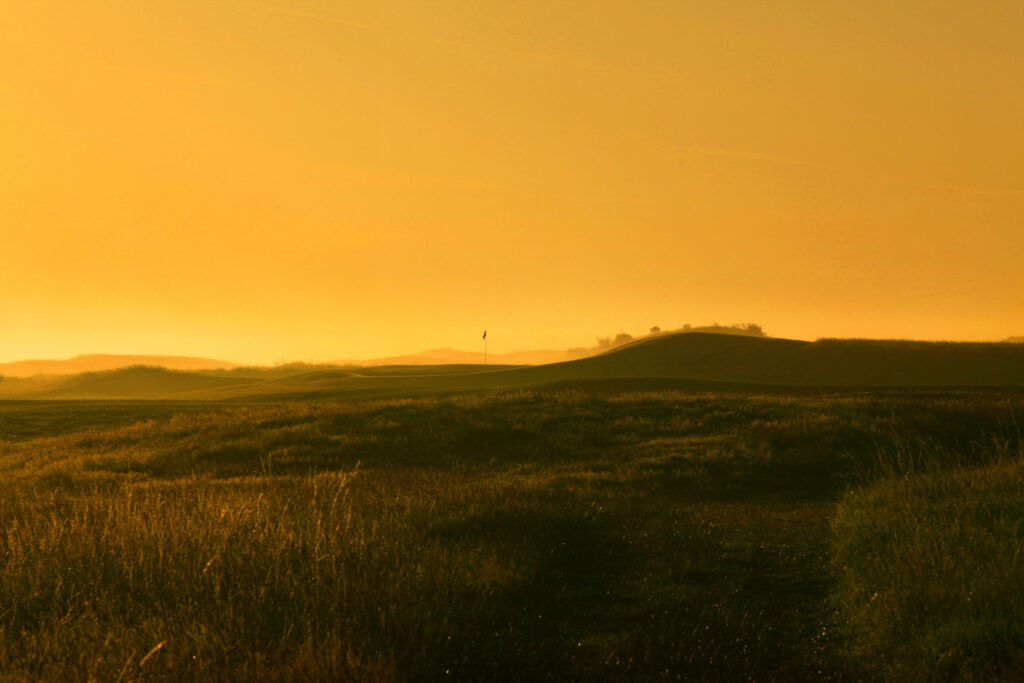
(301,179)
(101,362)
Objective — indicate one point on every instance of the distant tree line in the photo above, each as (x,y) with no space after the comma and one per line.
(744,329)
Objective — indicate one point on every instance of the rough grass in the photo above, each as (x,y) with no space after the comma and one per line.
(931,575)
(512,536)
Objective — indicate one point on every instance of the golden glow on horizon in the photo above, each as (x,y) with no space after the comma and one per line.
(300,179)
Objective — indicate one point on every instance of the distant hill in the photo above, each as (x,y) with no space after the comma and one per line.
(102,362)
(685,361)
(1014,340)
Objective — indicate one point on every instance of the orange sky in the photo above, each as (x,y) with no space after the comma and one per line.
(308,179)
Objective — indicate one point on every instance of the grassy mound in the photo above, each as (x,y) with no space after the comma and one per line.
(838,362)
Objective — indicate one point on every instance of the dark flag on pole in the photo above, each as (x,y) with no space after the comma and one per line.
(485,334)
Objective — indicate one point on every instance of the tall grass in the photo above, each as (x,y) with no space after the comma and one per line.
(330,574)
(513,536)
(931,574)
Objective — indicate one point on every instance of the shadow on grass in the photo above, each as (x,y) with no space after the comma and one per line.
(645,587)
(571,564)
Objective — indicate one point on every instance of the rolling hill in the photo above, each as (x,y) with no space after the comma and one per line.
(826,362)
(696,360)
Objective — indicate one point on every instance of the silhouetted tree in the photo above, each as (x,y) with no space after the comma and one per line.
(622,338)
(604,342)
(655,330)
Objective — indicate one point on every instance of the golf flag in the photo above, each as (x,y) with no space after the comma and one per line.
(485,334)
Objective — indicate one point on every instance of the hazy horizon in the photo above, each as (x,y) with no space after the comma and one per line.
(593,346)
(258,181)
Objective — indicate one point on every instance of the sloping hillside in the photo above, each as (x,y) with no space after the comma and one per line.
(823,362)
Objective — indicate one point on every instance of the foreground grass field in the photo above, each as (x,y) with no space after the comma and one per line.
(517,536)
